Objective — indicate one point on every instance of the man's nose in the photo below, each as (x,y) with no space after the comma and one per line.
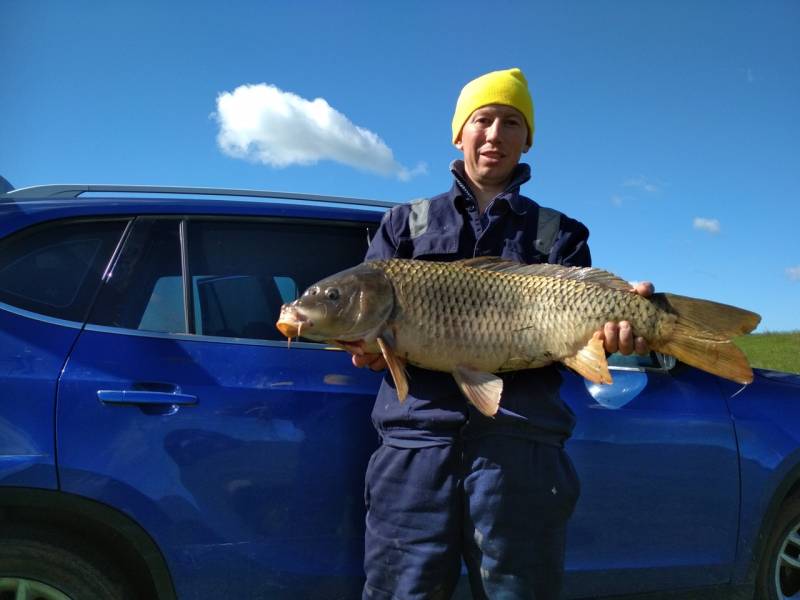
(493,133)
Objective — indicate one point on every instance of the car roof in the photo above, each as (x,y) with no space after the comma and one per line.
(26,206)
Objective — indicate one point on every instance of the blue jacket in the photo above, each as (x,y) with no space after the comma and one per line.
(448,227)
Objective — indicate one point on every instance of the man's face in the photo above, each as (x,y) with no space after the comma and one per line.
(492,140)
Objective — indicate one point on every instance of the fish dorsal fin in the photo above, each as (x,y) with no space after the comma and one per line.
(396,366)
(482,389)
(489,263)
(590,361)
(584,274)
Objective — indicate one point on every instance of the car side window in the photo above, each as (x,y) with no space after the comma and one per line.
(145,289)
(243,270)
(55,269)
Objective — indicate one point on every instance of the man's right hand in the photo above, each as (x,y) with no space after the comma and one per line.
(375,362)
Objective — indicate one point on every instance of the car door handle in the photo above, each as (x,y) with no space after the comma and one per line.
(146,398)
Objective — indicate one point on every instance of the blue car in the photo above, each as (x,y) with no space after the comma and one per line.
(160,440)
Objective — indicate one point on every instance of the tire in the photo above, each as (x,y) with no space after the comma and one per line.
(50,567)
(779,571)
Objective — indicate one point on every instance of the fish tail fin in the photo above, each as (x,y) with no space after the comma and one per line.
(702,335)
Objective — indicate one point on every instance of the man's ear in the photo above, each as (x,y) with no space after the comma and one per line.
(525,148)
(458,143)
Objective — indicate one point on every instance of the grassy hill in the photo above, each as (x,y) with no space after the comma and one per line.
(778,351)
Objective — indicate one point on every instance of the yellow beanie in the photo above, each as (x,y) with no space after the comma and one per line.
(507,87)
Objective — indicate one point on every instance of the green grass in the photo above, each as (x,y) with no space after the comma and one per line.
(779,351)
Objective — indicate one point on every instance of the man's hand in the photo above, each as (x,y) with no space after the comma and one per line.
(375,362)
(618,337)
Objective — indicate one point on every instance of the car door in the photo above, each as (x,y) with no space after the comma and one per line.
(182,405)
(656,455)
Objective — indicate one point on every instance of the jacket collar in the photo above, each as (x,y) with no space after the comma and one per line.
(520,174)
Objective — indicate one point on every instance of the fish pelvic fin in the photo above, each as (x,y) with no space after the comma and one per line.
(396,366)
(590,361)
(482,389)
(702,335)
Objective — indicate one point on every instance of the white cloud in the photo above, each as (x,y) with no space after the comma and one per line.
(709,225)
(793,273)
(641,183)
(264,124)
(616,200)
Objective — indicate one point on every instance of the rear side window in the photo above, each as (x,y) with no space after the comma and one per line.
(55,269)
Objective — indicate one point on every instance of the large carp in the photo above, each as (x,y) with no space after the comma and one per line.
(480,316)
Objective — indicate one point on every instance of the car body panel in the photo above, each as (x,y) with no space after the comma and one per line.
(657,460)
(766,414)
(32,352)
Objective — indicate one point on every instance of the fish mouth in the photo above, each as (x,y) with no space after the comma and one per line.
(292,322)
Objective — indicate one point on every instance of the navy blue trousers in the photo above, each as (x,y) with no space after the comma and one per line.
(414,523)
(519,496)
(500,502)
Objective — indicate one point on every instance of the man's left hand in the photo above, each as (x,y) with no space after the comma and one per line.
(618,337)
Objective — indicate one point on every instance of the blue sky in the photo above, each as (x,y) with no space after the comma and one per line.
(669,128)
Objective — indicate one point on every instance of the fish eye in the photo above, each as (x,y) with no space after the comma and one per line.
(312,291)
(332,294)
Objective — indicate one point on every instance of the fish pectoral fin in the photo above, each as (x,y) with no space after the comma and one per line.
(396,367)
(590,361)
(482,389)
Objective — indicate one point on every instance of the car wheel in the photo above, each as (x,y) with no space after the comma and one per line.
(37,566)
(779,572)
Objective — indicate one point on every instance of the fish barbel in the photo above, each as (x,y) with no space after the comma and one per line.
(481,316)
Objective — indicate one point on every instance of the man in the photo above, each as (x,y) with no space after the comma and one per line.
(446,481)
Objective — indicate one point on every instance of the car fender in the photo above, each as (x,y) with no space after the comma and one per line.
(766,415)
(113,532)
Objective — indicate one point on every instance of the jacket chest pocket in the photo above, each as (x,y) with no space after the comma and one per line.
(528,254)
(441,244)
